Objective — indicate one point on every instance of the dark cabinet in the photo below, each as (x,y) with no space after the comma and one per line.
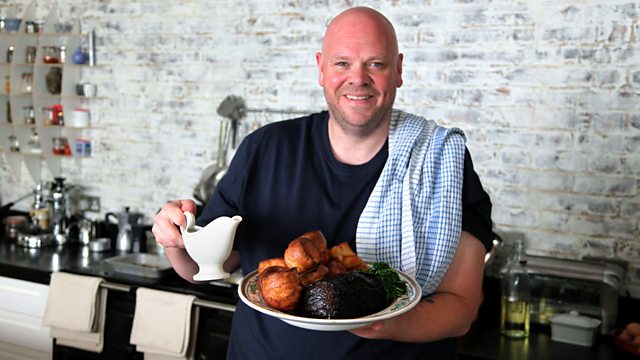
(117,329)
(213,334)
(214,327)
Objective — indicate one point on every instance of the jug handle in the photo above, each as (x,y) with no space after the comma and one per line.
(107,215)
(75,223)
(191,221)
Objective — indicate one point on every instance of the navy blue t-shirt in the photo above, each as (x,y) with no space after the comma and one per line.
(285,181)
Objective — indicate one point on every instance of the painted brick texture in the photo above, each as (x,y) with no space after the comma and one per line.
(548,93)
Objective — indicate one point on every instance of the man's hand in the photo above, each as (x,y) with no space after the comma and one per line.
(449,311)
(164,223)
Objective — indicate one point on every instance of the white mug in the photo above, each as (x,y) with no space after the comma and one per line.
(89,90)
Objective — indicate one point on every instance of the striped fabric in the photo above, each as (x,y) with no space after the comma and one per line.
(413,217)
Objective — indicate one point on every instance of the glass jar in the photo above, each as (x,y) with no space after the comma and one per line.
(51,54)
(57,146)
(47,115)
(60,146)
(30,54)
(27,83)
(14,145)
(34,142)
(29,115)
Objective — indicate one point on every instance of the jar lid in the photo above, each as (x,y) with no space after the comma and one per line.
(573,318)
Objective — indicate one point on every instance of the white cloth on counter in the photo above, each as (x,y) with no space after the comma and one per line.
(75,311)
(164,324)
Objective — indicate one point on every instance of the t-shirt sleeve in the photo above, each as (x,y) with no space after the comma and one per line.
(226,196)
(476,205)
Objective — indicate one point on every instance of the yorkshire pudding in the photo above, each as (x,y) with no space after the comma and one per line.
(307,251)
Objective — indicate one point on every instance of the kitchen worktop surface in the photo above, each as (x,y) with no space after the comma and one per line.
(36,265)
(482,342)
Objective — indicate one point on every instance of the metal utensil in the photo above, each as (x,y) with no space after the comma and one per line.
(213,173)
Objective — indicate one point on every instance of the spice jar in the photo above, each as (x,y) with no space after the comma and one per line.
(51,54)
(57,146)
(14,144)
(13,226)
(30,54)
(10,54)
(29,115)
(27,83)
(34,142)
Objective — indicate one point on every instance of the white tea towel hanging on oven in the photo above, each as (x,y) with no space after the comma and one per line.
(164,324)
(75,311)
(413,217)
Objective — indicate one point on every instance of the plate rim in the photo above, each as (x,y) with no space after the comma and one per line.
(333,324)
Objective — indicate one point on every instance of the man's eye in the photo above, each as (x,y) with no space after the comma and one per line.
(376,64)
(341,64)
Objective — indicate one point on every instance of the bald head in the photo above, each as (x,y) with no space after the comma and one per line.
(361,19)
(359,70)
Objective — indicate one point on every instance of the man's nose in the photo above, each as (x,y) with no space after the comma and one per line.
(359,75)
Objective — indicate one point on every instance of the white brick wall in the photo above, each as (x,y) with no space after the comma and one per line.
(547,91)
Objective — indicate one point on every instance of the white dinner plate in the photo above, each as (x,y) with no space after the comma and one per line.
(250,295)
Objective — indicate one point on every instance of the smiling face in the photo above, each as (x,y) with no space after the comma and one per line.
(360,69)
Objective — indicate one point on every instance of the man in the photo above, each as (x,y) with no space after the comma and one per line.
(328,172)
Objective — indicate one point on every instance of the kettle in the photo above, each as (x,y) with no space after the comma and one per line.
(86,230)
(128,226)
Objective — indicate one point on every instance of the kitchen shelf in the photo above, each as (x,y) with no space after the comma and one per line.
(16,103)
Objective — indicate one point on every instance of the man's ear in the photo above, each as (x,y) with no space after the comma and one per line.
(399,70)
(320,72)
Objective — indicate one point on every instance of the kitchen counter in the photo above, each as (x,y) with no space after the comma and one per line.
(482,342)
(36,265)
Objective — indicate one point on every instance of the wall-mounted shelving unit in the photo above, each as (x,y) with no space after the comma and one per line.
(39,76)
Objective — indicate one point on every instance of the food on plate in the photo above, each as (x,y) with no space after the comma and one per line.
(271,262)
(280,287)
(631,333)
(313,275)
(393,286)
(335,267)
(344,255)
(326,283)
(633,329)
(349,295)
(307,251)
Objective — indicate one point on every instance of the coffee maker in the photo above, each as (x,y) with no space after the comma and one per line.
(131,232)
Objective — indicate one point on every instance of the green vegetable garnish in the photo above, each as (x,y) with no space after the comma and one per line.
(393,286)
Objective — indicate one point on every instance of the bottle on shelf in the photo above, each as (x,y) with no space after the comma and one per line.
(516,295)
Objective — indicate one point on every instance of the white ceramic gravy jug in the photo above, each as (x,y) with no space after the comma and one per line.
(211,245)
